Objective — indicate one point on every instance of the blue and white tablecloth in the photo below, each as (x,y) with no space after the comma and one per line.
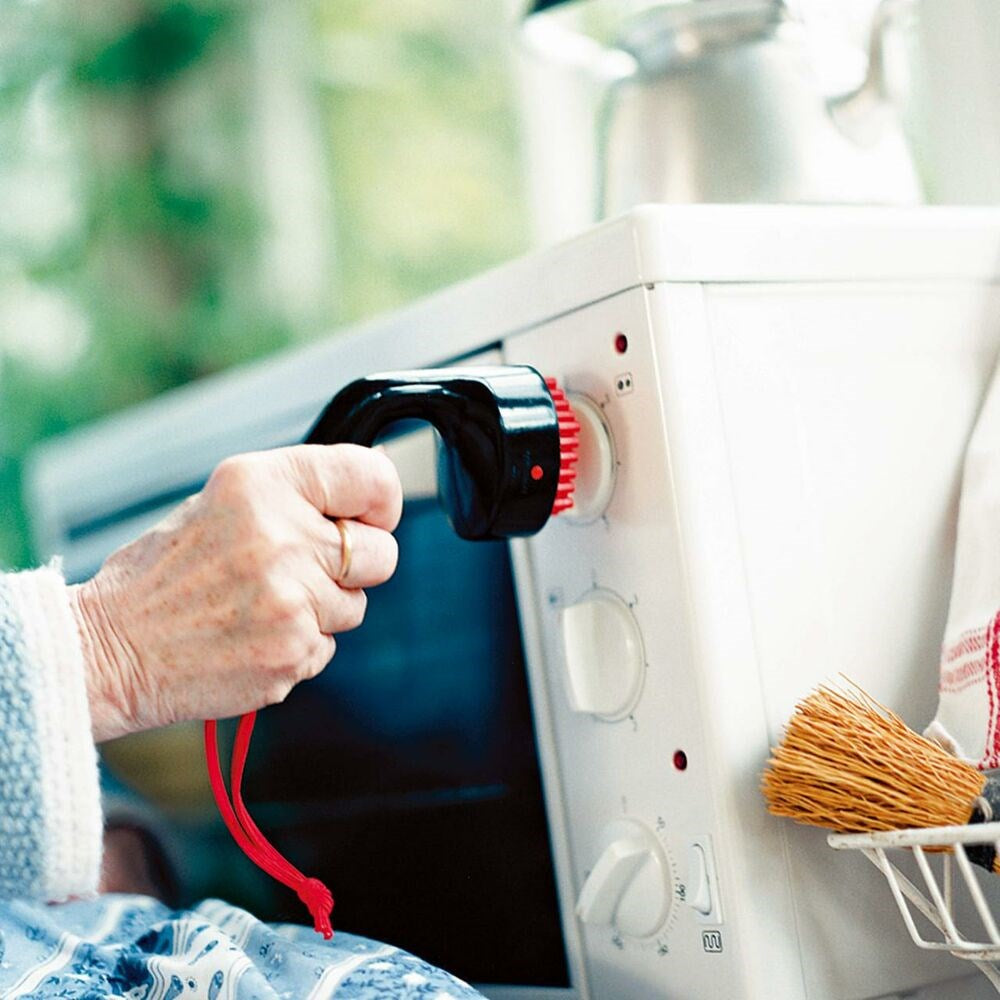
(135,947)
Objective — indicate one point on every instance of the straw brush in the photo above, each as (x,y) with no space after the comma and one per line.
(850,765)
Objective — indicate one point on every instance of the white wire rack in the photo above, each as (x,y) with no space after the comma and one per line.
(951,883)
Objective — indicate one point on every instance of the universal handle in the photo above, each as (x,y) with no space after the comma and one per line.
(499,454)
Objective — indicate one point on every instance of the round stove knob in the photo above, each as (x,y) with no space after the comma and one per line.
(603,655)
(595,467)
(629,888)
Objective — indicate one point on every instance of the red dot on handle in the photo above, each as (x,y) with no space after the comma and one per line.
(680,760)
(537,472)
(621,343)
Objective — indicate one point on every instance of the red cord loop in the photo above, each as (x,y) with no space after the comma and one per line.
(316,896)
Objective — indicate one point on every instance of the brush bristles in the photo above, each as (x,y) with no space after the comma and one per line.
(850,765)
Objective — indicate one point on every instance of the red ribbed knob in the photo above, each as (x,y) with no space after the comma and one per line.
(569,447)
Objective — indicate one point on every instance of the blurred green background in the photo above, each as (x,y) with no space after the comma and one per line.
(188,185)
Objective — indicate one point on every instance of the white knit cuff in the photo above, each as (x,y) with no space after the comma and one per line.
(71,799)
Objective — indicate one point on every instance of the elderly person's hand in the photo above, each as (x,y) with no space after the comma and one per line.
(233,599)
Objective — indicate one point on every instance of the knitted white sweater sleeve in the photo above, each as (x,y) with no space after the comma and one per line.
(50,812)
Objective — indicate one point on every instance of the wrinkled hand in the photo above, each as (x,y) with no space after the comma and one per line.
(232,600)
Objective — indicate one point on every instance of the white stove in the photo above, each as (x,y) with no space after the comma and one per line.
(776,403)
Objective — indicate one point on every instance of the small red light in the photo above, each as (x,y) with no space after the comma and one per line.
(680,760)
(621,343)
(537,472)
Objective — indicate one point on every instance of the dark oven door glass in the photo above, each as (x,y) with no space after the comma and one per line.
(406,775)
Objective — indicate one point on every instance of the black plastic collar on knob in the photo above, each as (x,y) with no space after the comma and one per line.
(498,464)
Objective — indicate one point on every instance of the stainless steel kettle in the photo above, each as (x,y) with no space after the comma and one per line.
(716,101)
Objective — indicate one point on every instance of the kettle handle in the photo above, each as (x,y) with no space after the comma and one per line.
(862,114)
(550,38)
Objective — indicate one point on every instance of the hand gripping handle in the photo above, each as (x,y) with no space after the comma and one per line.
(499,432)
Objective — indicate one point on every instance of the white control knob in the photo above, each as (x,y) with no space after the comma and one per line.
(595,468)
(629,888)
(603,655)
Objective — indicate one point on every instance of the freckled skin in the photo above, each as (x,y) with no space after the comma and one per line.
(230,601)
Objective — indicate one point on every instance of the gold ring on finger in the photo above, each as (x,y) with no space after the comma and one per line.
(346,550)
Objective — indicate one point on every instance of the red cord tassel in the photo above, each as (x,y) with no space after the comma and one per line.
(252,842)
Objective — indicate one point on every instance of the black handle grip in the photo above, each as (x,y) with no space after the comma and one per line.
(498,464)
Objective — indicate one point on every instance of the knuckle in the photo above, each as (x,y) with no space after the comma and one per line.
(390,555)
(267,529)
(381,556)
(385,478)
(285,651)
(278,690)
(354,613)
(271,656)
(280,606)
(298,651)
(320,656)
(303,636)
(233,477)
(361,605)
(302,464)
(384,472)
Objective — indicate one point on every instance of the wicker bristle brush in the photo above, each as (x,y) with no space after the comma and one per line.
(850,765)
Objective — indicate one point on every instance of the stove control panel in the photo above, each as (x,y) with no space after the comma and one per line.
(605,588)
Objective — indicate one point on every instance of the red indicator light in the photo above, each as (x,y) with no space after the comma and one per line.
(621,343)
(537,472)
(680,760)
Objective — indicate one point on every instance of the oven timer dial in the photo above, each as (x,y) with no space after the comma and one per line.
(631,886)
(603,655)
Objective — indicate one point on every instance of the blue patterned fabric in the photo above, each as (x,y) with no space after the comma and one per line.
(134,947)
(22,831)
